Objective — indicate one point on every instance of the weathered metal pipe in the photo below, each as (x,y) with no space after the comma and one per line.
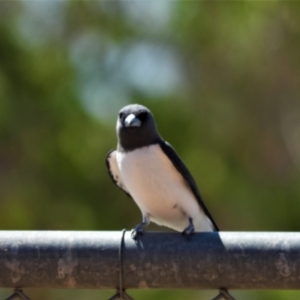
(85,259)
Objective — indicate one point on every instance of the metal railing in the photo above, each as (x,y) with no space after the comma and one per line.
(110,259)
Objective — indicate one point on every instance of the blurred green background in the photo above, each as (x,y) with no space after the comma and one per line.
(222,79)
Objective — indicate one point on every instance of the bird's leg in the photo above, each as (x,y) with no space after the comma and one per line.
(139,228)
(190,229)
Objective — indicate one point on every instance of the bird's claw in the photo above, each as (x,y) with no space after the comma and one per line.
(190,229)
(138,230)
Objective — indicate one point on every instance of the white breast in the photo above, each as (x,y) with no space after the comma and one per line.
(159,190)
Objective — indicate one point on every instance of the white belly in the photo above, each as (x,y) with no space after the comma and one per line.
(159,190)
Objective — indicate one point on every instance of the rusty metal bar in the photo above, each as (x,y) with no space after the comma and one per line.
(86,259)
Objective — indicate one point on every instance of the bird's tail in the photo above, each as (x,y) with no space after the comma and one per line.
(224,294)
(203,224)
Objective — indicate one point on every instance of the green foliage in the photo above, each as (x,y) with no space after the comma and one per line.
(234,117)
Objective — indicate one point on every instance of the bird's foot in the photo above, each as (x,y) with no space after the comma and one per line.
(188,231)
(137,231)
(139,228)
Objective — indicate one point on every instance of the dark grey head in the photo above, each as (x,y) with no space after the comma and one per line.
(136,128)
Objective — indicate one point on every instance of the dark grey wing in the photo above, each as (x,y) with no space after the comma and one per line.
(183,170)
(114,172)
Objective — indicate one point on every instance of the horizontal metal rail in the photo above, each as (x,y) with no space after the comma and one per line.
(90,259)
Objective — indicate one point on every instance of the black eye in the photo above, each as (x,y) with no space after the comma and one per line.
(143,116)
(121,115)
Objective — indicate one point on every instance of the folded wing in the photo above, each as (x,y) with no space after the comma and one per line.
(114,172)
(181,168)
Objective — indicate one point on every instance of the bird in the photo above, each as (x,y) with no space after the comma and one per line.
(149,170)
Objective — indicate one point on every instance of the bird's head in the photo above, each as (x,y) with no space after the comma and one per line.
(136,127)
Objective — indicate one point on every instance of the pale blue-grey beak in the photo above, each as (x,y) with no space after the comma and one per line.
(132,121)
